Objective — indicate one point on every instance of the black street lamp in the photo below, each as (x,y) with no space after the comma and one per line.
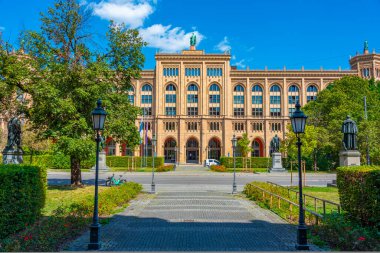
(234,142)
(298,120)
(153,185)
(98,119)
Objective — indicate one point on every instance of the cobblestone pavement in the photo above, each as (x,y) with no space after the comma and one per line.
(193,221)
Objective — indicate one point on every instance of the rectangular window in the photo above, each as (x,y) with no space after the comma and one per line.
(170,98)
(214,111)
(214,72)
(192,111)
(275,112)
(239,126)
(192,98)
(214,99)
(131,99)
(257,112)
(214,126)
(257,126)
(170,71)
(238,99)
(192,71)
(147,111)
(192,126)
(169,126)
(275,127)
(257,100)
(147,126)
(238,111)
(170,111)
(275,100)
(311,98)
(293,99)
(146,99)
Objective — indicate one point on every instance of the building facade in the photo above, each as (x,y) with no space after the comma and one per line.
(195,102)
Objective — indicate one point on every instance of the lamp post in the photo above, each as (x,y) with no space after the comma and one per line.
(298,120)
(98,119)
(234,142)
(153,185)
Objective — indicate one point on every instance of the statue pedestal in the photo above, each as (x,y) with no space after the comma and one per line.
(277,163)
(349,158)
(102,163)
(12,156)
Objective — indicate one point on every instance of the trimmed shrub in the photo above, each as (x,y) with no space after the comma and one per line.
(359,191)
(218,168)
(68,221)
(126,161)
(253,162)
(22,196)
(165,168)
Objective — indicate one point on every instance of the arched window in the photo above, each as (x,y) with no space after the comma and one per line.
(275,101)
(111,147)
(238,100)
(214,87)
(170,150)
(257,148)
(311,93)
(293,98)
(192,87)
(146,87)
(170,100)
(170,87)
(257,101)
(239,88)
(192,100)
(214,100)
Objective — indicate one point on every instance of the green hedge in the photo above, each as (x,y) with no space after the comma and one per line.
(359,191)
(126,161)
(22,196)
(253,162)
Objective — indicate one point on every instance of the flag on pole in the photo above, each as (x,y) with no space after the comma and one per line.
(141,130)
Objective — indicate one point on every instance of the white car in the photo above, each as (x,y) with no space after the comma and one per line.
(209,162)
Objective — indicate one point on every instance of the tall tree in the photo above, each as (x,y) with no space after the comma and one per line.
(342,97)
(244,147)
(69,78)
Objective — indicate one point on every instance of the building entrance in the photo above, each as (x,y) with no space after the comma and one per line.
(192,151)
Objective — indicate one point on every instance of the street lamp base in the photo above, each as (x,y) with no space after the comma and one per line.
(302,247)
(234,190)
(94,237)
(153,188)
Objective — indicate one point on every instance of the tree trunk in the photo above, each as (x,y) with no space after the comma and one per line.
(76,174)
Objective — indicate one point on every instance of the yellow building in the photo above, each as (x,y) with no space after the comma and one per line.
(195,102)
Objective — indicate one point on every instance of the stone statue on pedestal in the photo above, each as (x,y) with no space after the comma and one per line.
(276,155)
(12,153)
(102,157)
(349,155)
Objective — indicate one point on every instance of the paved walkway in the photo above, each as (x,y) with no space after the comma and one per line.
(193,221)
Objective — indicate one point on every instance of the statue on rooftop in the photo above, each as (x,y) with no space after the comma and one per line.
(365,45)
(193,40)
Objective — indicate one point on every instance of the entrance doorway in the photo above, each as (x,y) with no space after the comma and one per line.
(214,149)
(192,151)
(170,150)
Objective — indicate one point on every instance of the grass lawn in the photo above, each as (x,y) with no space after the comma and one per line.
(58,195)
(328,193)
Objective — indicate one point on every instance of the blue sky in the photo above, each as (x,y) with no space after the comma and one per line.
(272,33)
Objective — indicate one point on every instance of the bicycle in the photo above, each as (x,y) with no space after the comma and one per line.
(111,181)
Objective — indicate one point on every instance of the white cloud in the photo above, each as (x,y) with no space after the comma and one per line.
(224,45)
(251,49)
(167,38)
(241,64)
(131,12)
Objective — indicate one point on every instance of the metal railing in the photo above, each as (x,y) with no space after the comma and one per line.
(315,199)
(273,196)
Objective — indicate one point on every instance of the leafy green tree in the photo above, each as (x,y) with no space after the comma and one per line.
(69,76)
(244,147)
(343,97)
